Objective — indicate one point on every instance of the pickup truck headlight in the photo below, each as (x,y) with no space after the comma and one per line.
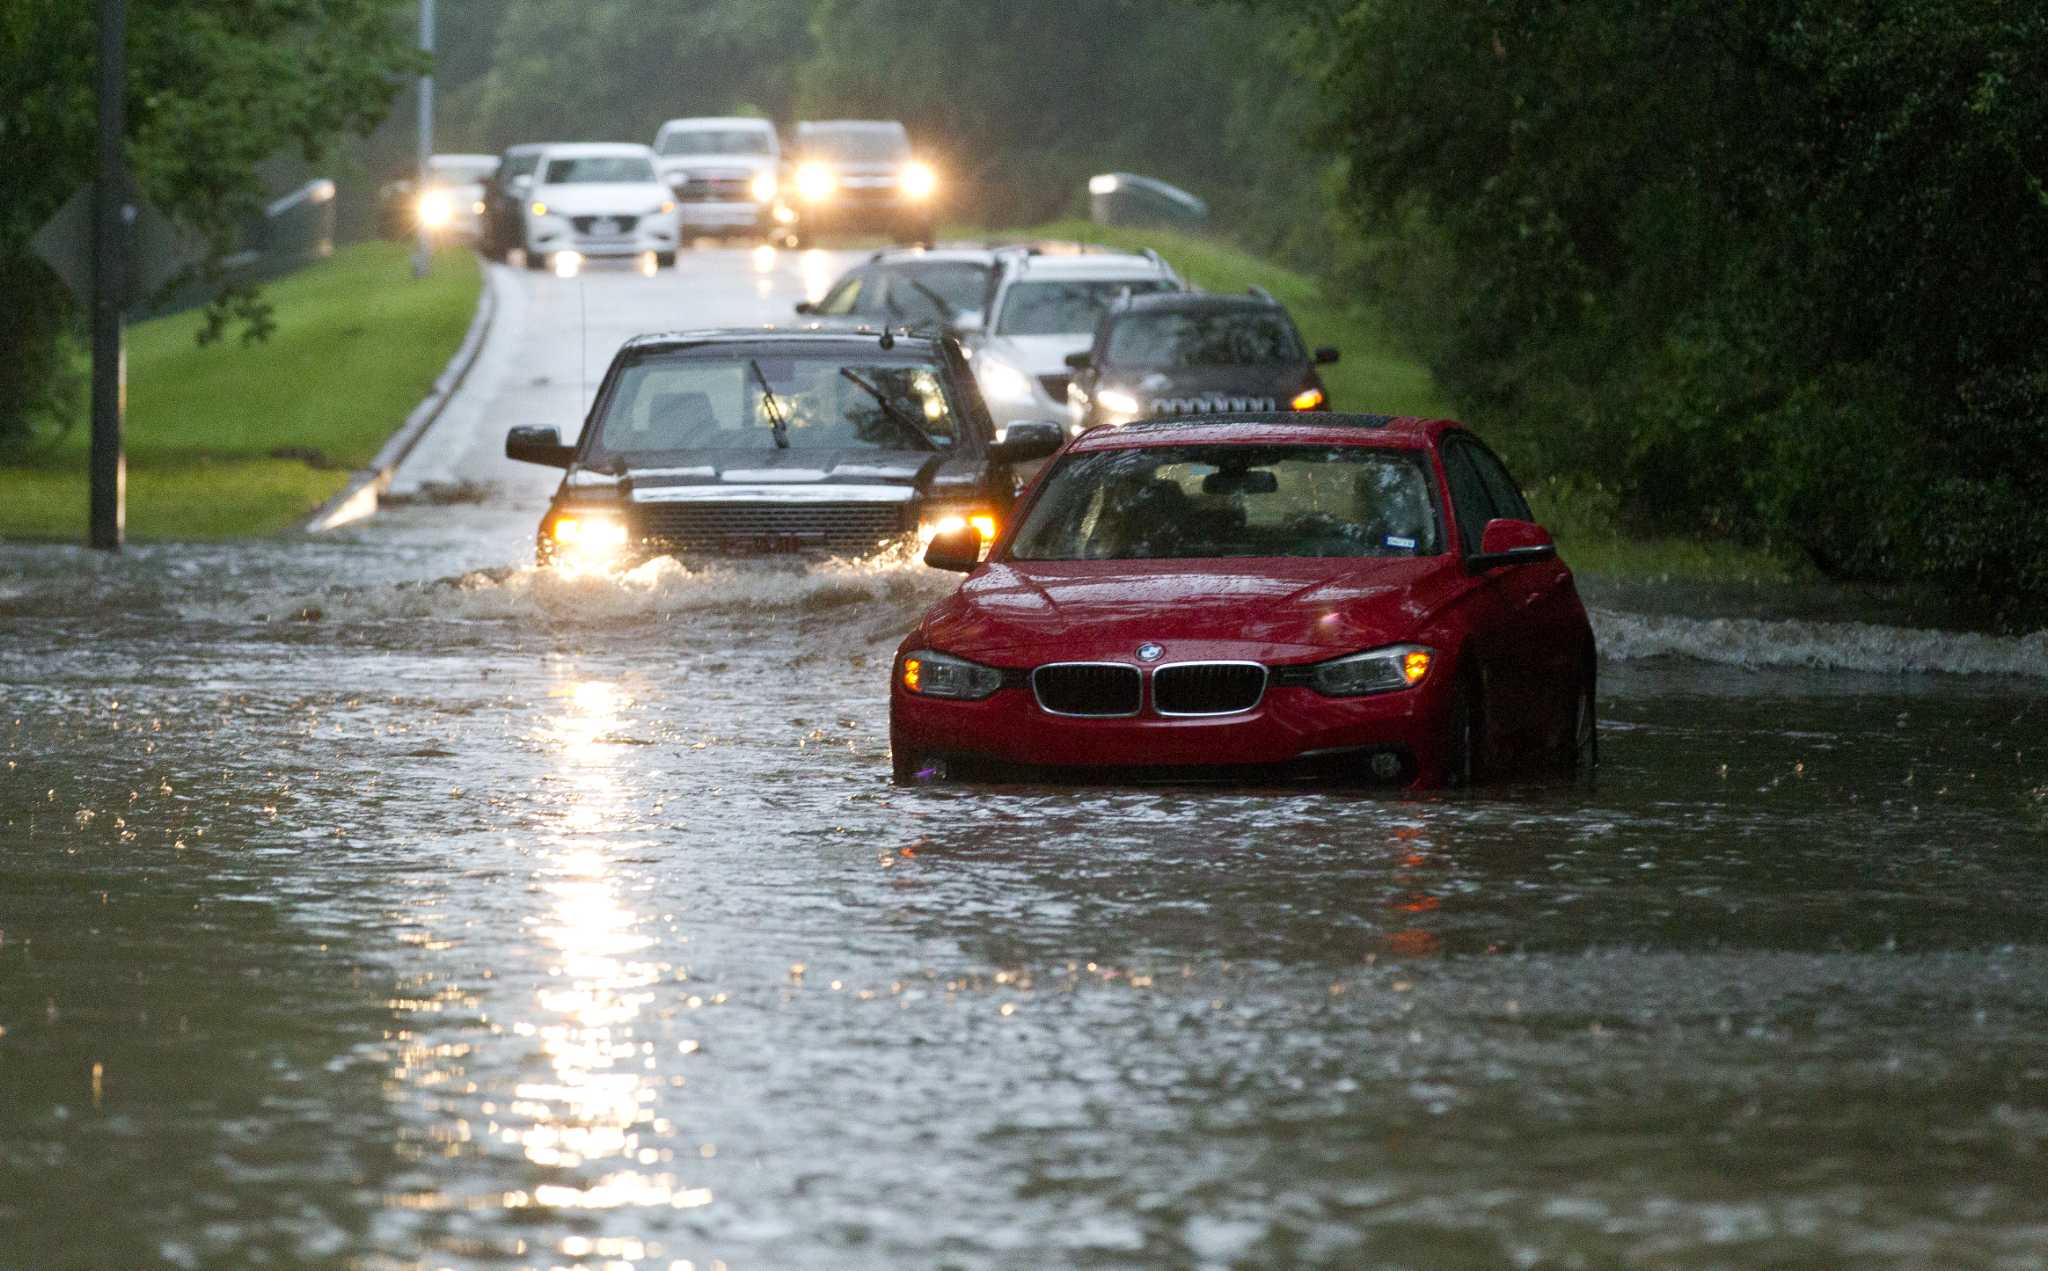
(929,674)
(764,187)
(1115,401)
(815,182)
(1002,381)
(918,180)
(1387,670)
(436,209)
(589,538)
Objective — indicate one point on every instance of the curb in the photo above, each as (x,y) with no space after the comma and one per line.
(358,500)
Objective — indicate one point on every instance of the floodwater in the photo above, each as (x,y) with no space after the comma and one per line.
(374,901)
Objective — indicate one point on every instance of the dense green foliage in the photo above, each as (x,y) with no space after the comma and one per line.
(1769,268)
(358,343)
(213,90)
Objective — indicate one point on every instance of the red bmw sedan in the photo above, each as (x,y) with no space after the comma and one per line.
(1351,596)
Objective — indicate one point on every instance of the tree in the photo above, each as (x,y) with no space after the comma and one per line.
(213,90)
(1771,266)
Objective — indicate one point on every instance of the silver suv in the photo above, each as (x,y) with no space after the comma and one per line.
(1044,305)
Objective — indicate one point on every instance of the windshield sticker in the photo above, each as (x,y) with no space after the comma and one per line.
(1405,544)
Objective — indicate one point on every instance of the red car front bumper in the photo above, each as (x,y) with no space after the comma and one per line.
(1290,727)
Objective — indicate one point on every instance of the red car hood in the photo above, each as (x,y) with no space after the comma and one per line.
(1286,609)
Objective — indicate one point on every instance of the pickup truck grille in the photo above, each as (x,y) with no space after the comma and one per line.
(1208,688)
(713,189)
(1087,688)
(770,526)
(1214,404)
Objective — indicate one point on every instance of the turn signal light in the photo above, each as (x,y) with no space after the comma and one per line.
(1309,399)
(1415,665)
(913,674)
(540,209)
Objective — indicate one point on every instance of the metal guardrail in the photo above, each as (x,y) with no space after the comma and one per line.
(1125,198)
(291,232)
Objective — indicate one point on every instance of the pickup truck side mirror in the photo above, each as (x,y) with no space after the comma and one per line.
(1080,361)
(539,445)
(805,306)
(1028,439)
(958,550)
(1327,356)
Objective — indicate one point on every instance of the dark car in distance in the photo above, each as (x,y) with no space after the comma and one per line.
(763,441)
(504,199)
(1172,354)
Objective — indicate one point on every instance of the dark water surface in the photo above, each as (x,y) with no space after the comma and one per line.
(359,912)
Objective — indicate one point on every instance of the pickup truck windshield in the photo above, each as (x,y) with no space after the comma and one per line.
(746,141)
(665,405)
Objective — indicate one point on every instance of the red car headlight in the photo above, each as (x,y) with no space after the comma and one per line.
(928,674)
(1387,670)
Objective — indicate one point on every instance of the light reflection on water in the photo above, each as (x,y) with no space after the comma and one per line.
(486,956)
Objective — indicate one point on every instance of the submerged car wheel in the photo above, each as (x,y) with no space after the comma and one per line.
(1582,742)
(1462,744)
(908,769)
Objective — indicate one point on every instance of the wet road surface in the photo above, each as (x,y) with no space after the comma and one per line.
(375,901)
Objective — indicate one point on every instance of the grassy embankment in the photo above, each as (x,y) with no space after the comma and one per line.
(231,440)
(1377,375)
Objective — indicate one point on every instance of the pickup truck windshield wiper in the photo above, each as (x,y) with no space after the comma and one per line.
(909,425)
(776,419)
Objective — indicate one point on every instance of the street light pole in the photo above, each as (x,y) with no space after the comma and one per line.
(423,250)
(110,216)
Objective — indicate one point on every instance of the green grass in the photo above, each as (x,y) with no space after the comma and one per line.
(231,440)
(1377,375)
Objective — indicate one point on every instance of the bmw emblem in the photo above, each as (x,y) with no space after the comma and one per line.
(1149,652)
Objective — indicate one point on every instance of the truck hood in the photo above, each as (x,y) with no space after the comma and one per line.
(716,165)
(852,475)
(1281,382)
(1038,354)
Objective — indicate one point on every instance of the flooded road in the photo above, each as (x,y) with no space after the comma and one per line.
(375,901)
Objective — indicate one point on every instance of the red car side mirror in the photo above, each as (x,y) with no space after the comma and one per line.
(1511,542)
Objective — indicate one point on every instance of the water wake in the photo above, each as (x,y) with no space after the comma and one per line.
(1762,644)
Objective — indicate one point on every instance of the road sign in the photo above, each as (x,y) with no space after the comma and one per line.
(158,250)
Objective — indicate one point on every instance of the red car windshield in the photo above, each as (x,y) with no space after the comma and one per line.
(1189,502)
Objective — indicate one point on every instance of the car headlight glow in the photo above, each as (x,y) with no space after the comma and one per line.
(1308,399)
(1115,401)
(815,182)
(764,187)
(984,524)
(667,206)
(590,533)
(436,209)
(918,180)
(1395,667)
(1002,381)
(540,209)
(928,674)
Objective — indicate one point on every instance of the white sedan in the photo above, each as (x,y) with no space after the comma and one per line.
(597,200)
